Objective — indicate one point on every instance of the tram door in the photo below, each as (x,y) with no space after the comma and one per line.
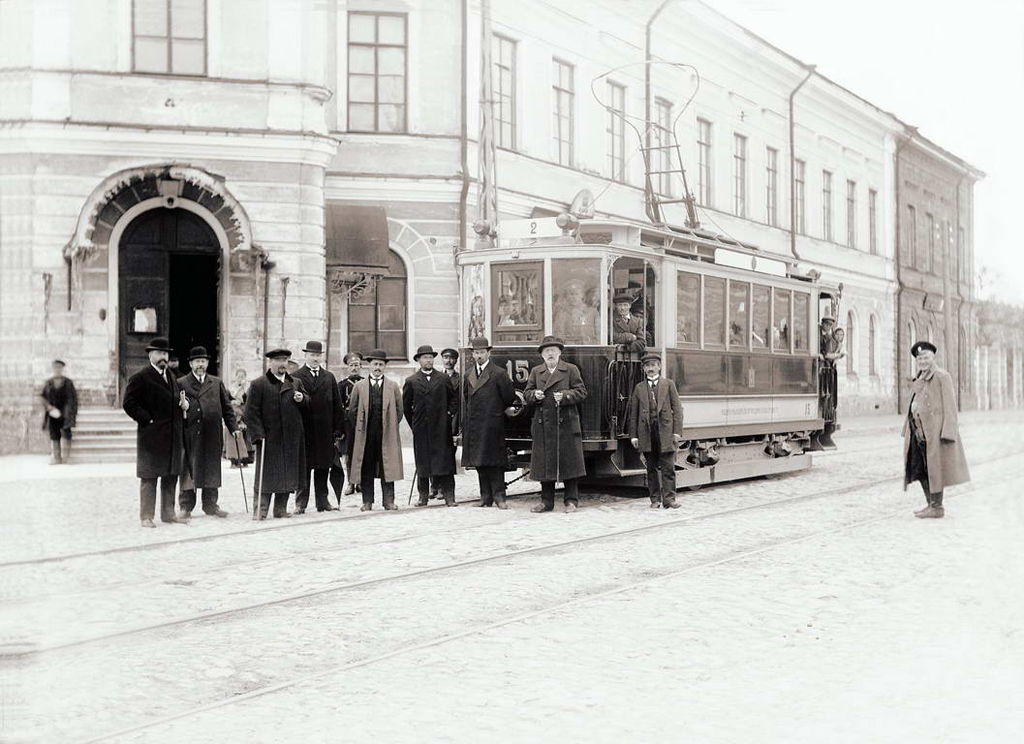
(635,277)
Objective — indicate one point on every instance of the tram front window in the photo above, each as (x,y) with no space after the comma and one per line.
(576,298)
(518,309)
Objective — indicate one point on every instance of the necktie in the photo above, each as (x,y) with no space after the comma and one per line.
(479,371)
(315,373)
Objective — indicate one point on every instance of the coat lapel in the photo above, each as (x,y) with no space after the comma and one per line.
(549,379)
(662,396)
(478,381)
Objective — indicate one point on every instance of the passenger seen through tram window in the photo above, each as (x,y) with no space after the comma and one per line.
(738,293)
(575,315)
(714,311)
(687,308)
(780,328)
(762,313)
(801,321)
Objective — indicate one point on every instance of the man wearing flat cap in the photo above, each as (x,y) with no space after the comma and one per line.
(324,422)
(627,329)
(552,393)
(273,413)
(430,402)
(61,401)
(157,404)
(654,423)
(488,394)
(376,410)
(209,407)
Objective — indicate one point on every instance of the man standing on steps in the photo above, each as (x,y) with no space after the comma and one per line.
(61,401)
(376,410)
(209,406)
(324,423)
(273,412)
(154,400)
(655,425)
(489,394)
(430,403)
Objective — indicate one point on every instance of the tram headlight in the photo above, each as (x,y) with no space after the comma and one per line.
(567,222)
(483,229)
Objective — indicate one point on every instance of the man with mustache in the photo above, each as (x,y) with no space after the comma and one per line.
(157,404)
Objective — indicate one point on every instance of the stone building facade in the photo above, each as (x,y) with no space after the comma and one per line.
(999,381)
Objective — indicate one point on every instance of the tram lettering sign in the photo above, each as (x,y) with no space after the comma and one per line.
(542,227)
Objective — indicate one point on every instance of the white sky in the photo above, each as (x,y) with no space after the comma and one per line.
(953,69)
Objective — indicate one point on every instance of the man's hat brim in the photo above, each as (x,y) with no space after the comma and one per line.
(925,345)
(376,354)
(450,352)
(480,343)
(277,353)
(159,344)
(622,298)
(650,358)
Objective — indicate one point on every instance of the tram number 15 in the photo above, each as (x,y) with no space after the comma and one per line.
(521,371)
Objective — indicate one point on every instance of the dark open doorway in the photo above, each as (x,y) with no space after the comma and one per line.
(192,280)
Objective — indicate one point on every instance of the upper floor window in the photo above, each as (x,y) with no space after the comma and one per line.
(826,205)
(739,164)
(873,221)
(616,131)
(661,159)
(377,62)
(563,90)
(377,317)
(961,249)
(704,162)
(911,258)
(169,36)
(851,214)
(503,57)
(800,182)
(772,186)
(929,258)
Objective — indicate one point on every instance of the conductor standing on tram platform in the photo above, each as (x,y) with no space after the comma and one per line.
(488,393)
(655,426)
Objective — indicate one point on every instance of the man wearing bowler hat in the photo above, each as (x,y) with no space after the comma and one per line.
(376,410)
(488,394)
(430,402)
(209,407)
(324,422)
(273,412)
(628,329)
(655,426)
(156,403)
(552,393)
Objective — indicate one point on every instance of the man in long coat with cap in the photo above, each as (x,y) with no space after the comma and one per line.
(324,422)
(273,412)
(487,392)
(654,423)
(209,408)
(376,410)
(156,403)
(627,329)
(553,392)
(430,402)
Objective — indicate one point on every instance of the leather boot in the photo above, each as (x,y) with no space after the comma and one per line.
(933,511)
(423,500)
(55,452)
(449,498)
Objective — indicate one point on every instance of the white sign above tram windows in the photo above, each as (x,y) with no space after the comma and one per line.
(725,257)
(541,227)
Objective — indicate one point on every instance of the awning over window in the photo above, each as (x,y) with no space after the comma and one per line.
(357,239)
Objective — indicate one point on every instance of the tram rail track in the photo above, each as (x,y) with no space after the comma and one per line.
(459,565)
(442,639)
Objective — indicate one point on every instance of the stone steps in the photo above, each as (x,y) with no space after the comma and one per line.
(103,435)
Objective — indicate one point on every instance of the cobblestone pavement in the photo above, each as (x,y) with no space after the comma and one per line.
(675,647)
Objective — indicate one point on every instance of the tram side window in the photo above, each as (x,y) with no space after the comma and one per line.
(739,304)
(714,312)
(517,302)
(780,323)
(687,308)
(576,299)
(762,316)
(801,321)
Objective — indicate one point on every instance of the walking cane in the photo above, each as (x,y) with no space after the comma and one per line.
(238,451)
(257,497)
(412,486)
(558,448)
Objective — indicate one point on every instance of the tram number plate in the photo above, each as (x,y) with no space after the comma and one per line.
(546,227)
(519,373)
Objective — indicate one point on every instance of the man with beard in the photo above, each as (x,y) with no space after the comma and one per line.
(488,393)
(209,408)
(655,426)
(376,409)
(156,403)
(430,402)
(324,422)
(273,411)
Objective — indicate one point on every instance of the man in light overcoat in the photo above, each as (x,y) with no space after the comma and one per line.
(430,402)
(654,423)
(376,410)
(209,411)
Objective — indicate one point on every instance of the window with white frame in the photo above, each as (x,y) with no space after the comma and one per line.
(663,139)
(704,162)
(377,72)
(503,58)
(739,175)
(800,187)
(826,205)
(169,36)
(771,186)
(615,130)
(563,91)
(873,221)
(851,214)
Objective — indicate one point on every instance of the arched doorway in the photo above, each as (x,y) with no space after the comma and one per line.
(169,263)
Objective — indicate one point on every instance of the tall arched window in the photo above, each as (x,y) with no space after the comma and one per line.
(376,319)
(872,345)
(851,367)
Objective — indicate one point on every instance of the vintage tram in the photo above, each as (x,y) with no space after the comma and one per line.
(738,330)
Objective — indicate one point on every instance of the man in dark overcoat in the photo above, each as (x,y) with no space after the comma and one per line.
(654,422)
(209,412)
(154,400)
(430,402)
(61,401)
(273,412)
(376,410)
(340,478)
(449,366)
(627,329)
(553,392)
(324,422)
(488,392)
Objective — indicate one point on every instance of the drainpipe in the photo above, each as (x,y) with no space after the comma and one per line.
(266,266)
(464,125)
(792,163)
(901,343)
